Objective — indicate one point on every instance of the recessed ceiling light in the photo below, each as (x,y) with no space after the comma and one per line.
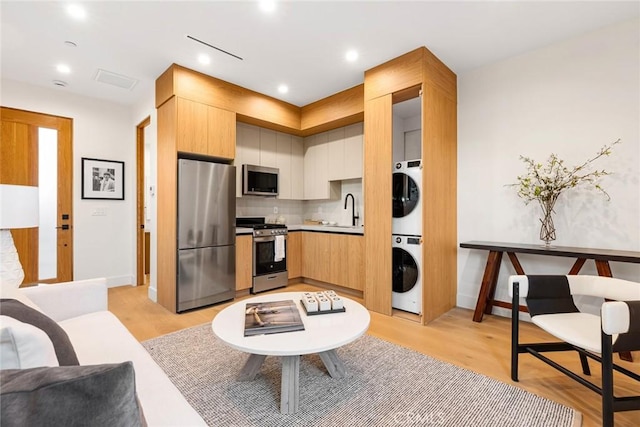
(283,89)
(76,11)
(59,83)
(351,55)
(69,43)
(204,59)
(267,5)
(63,68)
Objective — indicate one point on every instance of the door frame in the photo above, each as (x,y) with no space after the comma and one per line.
(140,189)
(22,238)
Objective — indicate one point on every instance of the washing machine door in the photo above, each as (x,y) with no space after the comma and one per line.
(405,271)
(406,195)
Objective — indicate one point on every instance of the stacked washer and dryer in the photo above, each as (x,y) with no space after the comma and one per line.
(407,236)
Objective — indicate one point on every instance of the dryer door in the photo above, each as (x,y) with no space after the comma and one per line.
(406,195)
(405,271)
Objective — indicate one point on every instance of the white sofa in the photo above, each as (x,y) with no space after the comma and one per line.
(98,337)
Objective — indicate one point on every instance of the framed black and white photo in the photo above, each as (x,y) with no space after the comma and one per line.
(102,179)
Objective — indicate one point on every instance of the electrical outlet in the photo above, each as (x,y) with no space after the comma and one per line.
(275,209)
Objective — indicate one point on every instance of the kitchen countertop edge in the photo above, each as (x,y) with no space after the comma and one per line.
(358,231)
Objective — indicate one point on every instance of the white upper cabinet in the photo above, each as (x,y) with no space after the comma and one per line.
(283,163)
(297,168)
(332,156)
(268,148)
(317,169)
(249,138)
(247,151)
(265,147)
(335,148)
(353,151)
(310,167)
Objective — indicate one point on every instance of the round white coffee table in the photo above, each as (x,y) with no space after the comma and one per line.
(322,334)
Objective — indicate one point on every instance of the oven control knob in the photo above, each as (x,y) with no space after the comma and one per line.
(273,232)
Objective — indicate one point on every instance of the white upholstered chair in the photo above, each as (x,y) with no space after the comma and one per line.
(550,302)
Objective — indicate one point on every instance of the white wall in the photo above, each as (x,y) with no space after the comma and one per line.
(570,98)
(104,246)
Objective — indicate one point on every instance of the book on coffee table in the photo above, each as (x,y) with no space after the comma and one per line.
(271,317)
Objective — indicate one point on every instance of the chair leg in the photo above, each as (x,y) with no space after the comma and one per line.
(607,380)
(585,364)
(515,319)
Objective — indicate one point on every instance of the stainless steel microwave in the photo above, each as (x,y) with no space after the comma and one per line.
(259,180)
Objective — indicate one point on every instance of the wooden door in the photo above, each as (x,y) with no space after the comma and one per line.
(142,250)
(19,157)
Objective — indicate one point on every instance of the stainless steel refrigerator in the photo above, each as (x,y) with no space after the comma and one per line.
(206,233)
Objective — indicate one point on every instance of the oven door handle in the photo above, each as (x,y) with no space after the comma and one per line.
(268,238)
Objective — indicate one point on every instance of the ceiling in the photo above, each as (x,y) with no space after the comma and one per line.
(301,44)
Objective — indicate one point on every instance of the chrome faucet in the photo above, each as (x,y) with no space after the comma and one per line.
(354,217)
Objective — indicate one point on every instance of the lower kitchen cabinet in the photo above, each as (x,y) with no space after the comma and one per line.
(244,262)
(334,258)
(294,255)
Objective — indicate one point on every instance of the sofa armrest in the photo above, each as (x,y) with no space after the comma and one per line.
(62,301)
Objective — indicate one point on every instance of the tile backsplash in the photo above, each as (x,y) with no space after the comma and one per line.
(296,211)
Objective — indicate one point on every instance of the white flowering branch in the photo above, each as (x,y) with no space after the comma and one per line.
(545,183)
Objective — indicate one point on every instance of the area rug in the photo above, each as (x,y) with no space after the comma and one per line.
(385,385)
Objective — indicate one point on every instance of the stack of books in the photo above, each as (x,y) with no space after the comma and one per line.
(271,317)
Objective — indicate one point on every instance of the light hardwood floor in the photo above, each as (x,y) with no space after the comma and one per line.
(453,337)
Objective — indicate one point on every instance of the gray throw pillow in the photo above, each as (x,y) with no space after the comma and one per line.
(94,395)
(61,344)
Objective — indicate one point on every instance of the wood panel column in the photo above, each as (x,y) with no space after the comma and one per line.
(378,134)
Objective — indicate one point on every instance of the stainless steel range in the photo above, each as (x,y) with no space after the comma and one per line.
(269,254)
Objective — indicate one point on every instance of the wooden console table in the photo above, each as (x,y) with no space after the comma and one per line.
(496,249)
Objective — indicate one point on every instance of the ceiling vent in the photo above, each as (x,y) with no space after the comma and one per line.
(114,79)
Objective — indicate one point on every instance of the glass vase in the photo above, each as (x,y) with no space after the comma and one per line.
(547,229)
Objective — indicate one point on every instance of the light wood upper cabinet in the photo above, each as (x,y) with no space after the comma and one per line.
(192,129)
(294,255)
(244,262)
(334,258)
(202,129)
(221,132)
